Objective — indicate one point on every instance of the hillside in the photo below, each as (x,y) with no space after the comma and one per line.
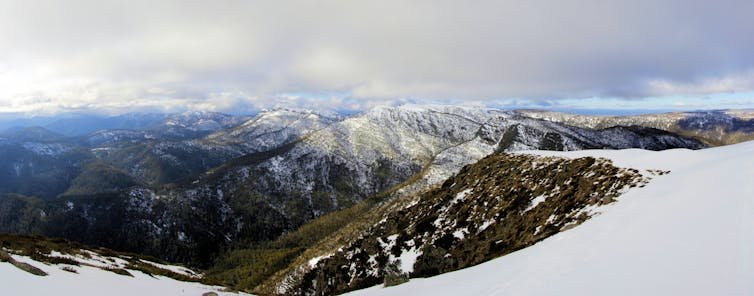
(41,266)
(495,206)
(686,233)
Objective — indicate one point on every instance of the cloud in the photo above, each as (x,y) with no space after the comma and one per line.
(739,82)
(119,55)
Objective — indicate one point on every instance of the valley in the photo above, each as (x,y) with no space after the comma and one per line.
(212,187)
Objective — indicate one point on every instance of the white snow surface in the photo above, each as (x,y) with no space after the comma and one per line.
(687,233)
(408,259)
(92,281)
(535,201)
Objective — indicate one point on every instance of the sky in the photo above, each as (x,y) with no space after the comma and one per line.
(239,56)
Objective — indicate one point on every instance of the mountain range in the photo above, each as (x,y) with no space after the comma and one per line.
(200,188)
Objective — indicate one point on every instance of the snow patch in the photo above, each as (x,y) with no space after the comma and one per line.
(535,201)
(313,262)
(408,259)
(461,233)
(461,195)
(485,224)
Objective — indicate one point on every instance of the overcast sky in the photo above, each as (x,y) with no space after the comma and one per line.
(117,56)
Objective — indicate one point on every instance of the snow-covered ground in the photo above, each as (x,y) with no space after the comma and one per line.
(90,280)
(690,232)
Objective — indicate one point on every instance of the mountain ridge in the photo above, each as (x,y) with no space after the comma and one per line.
(460,218)
(199,195)
(649,242)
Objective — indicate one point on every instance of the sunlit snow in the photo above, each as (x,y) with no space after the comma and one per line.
(686,233)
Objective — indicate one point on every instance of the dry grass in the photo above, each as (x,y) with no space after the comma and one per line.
(5,257)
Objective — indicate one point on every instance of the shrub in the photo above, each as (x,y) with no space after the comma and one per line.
(394,276)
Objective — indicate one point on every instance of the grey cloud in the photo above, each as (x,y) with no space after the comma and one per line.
(110,53)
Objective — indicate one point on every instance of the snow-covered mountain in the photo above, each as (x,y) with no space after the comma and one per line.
(200,121)
(160,156)
(346,161)
(272,128)
(398,150)
(186,199)
(687,232)
(719,127)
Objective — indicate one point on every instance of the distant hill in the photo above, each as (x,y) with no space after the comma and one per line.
(718,127)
